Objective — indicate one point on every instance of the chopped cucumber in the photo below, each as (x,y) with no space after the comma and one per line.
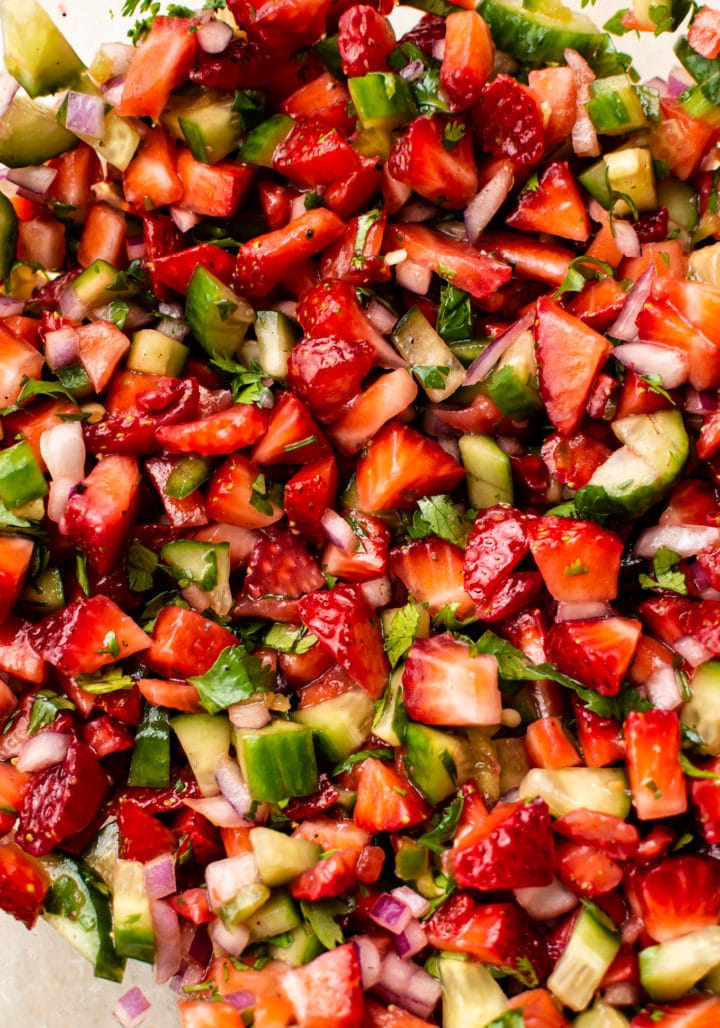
(218,317)
(132,921)
(30,134)
(670,969)
(277,916)
(206,121)
(21,479)
(470,994)
(603,789)
(702,712)
(259,145)
(340,724)
(424,350)
(601,1015)
(103,851)
(205,738)
(36,52)
(150,763)
(276,338)
(302,946)
(630,173)
(437,762)
(589,953)
(99,284)
(154,353)
(187,475)
(280,857)
(614,106)
(382,100)
(277,761)
(389,720)
(512,384)
(8,236)
(489,478)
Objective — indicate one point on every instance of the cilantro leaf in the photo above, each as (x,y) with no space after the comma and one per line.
(287,639)
(454,317)
(81,573)
(453,132)
(322,918)
(236,675)
(431,376)
(580,271)
(443,826)
(46,705)
(357,758)
(402,632)
(248,385)
(666,574)
(141,566)
(439,516)
(32,387)
(615,24)
(107,679)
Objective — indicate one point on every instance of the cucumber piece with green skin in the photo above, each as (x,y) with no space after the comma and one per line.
(437,762)
(412,861)
(246,902)
(276,338)
(155,353)
(637,475)
(218,317)
(603,789)
(76,380)
(301,947)
(120,136)
(99,284)
(512,384)
(538,34)
(630,172)
(21,479)
(103,851)
(382,100)
(277,761)
(36,52)
(187,475)
(702,712)
(489,478)
(590,951)
(78,907)
(206,564)
(389,720)
(206,121)
(280,857)
(340,724)
(614,106)
(670,969)
(260,144)
(44,594)
(30,134)
(150,763)
(205,738)
(8,236)
(132,921)
(423,348)
(681,201)
(601,1015)
(277,916)
(470,994)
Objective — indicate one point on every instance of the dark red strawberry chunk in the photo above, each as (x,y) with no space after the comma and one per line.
(512,848)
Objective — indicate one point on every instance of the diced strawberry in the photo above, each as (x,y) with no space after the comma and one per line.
(579,561)
(555,89)
(182,512)
(87,635)
(370,557)
(572,460)
(263,261)
(660,322)
(555,206)
(666,616)
(705,795)
(328,372)
(497,543)
(330,877)
(445,683)
(378,1016)
(508,121)
(281,566)
(500,934)
(611,834)
(324,98)
(692,1012)
(400,465)
(308,494)
(702,621)
(327,992)
(142,836)
(312,154)
(346,625)
(387,397)
(587,870)
(510,848)
(530,256)
(467,61)
(386,802)
(677,896)
(159,64)
(511,596)
(434,157)
(184,643)
(598,652)
(15,558)
(365,40)
(570,354)
(292,435)
(548,744)
(331,309)
(431,570)
(539,1009)
(657,782)
(100,514)
(24,883)
(218,434)
(239,495)
(151,179)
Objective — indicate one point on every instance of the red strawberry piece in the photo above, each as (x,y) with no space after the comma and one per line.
(572,460)
(508,122)
(184,643)
(218,434)
(327,372)
(347,626)
(330,877)
(365,40)
(444,683)
(308,494)
(370,558)
(555,206)
(598,652)
(609,833)
(434,157)
(24,883)
(327,992)
(587,870)
(280,565)
(313,154)
(331,309)
(142,836)
(510,596)
(677,896)
(511,848)
(432,572)
(386,801)
(292,435)
(657,781)
(497,543)
(579,560)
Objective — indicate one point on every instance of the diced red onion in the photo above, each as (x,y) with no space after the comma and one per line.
(673,366)
(113,90)
(544,902)
(229,940)
(71,306)
(380,317)
(119,55)
(417,211)
(396,193)
(214,36)
(135,248)
(597,212)
(370,960)
(411,940)
(85,114)
(189,974)
(417,903)
(404,983)
(232,785)
(483,365)
(225,878)
(241,1000)
(685,540)
(510,445)
(337,531)
(183,219)
(160,876)
(62,346)
(391,912)
(415,277)
(438,49)
(582,611)
(166,928)
(584,138)
(626,238)
(131,1008)
(10,306)
(451,445)
(700,576)
(412,71)
(377,591)
(662,689)
(702,402)
(624,327)
(622,994)
(60,491)
(286,307)
(173,328)
(63,449)
(659,85)
(691,650)
(632,929)
(219,811)
(487,202)
(679,80)
(42,751)
(35,180)
(254,714)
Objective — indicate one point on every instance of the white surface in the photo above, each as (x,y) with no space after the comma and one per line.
(44,983)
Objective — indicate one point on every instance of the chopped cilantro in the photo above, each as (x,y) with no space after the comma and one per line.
(235,676)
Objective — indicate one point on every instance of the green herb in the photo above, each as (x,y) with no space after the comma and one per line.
(262,495)
(443,826)
(142,564)
(666,575)
(454,317)
(439,516)
(511,1018)
(431,376)
(46,705)
(402,632)
(166,599)
(106,680)
(580,272)
(357,758)
(110,645)
(696,772)
(236,675)
(655,385)
(287,639)
(364,224)
(32,387)
(453,132)
(322,917)
(447,618)
(249,385)
(118,311)
(576,568)
(615,25)
(81,573)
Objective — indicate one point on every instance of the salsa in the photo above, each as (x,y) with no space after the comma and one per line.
(360,511)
